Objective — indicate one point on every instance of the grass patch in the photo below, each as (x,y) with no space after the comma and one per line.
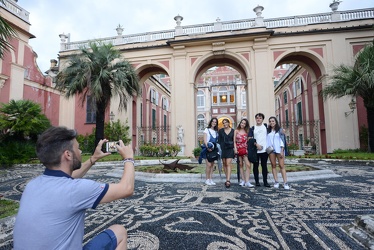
(8,208)
(200,169)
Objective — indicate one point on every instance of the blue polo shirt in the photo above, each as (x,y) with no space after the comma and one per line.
(52,211)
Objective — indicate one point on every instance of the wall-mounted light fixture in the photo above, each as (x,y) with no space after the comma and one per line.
(111,115)
(352,106)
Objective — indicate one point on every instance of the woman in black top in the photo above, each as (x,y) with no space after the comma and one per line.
(226,140)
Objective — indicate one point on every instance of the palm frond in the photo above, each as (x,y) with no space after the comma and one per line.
(6,33)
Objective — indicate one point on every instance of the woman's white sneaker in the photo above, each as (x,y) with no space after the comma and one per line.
(276,185)
(286,186)
(248,184)
(242,183)
(207,182)
(211,182)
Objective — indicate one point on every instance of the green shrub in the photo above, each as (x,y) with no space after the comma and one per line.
(16,152)
(114,131)
(161,150)
(197,151)
(174,149)
(86,143)
(21,122)
(148,150)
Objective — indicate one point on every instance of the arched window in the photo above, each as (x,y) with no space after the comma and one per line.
(200,123)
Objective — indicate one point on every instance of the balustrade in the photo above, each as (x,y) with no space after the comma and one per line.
(12,7)
(230,26)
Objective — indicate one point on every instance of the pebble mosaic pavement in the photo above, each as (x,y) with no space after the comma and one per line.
(173,215)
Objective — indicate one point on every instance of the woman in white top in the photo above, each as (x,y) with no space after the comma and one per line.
(274,139)
(210,135)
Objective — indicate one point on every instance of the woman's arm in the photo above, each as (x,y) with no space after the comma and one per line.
(206,139)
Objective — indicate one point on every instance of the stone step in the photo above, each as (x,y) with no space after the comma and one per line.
(175,177)
(362,230)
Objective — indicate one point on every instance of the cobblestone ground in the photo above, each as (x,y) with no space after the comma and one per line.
(196,216)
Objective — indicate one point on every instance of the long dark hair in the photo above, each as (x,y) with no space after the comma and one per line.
(246,128)
(210,124)
(276,127)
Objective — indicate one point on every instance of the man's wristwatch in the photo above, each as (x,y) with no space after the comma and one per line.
(129,160)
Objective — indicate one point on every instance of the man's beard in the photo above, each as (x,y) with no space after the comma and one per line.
(76,163)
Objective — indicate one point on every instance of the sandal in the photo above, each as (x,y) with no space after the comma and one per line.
(227,184)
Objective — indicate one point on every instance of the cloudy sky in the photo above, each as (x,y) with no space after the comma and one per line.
(92,19)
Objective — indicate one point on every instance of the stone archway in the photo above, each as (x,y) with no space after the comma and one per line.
(302,85)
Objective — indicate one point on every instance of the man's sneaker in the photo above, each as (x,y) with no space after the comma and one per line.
(207,182)
(248,184)
(211,182)
(286,186)
(276,185)
(242,183)
(258,184)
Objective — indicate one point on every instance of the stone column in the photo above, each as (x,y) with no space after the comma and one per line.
(262,87)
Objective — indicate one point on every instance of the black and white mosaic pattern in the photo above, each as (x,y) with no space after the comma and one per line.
(195,216)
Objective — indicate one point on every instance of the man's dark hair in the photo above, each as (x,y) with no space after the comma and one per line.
(52,143)
(260,115)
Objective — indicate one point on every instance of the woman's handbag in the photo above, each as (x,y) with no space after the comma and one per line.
(242,151)
(213,155)
(269,150)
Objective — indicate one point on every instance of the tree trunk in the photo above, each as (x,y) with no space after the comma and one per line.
(370,117)
(100,121)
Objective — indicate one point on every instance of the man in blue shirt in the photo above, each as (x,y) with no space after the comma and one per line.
(52,207)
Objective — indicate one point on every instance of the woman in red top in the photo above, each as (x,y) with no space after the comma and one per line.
(240,148)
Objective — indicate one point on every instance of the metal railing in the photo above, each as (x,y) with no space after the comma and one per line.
(153,135)
(310,130)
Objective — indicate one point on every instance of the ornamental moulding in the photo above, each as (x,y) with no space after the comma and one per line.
(218,48)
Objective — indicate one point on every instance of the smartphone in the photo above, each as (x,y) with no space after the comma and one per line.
(111,146)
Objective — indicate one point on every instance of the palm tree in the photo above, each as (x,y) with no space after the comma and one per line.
(22,120)
(99,72)
(357,81)
(6,33)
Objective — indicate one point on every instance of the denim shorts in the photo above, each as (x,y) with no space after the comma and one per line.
(105,240)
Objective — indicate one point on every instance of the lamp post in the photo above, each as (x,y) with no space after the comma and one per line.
(352,106)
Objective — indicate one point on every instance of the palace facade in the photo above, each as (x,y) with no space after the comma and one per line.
(231,70)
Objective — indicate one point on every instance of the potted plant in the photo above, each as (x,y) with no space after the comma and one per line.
(292,147)
(196,152)
(307,148)
(307,142)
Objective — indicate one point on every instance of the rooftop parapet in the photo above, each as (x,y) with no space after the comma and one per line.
(16,10)
(219,26)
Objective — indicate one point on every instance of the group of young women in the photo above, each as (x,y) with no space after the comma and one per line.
(234,143)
